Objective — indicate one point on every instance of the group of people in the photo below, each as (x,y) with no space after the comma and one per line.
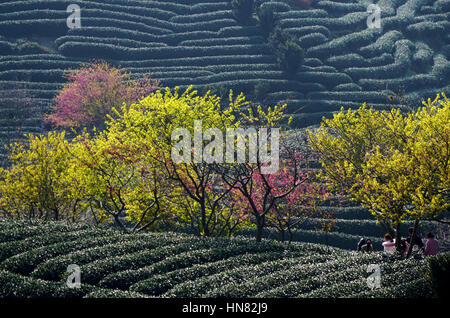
(430,248)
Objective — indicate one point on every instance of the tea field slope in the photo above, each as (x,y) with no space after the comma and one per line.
(199,42)
(34,259)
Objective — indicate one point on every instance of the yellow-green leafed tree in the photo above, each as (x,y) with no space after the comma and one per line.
(38,185)
(197,198)
(396,165)
(127,170)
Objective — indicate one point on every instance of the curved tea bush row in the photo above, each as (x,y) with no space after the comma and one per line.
(125,279)
(161,283)
(53,267)
(20,230)
(298,272)
(115,41)
(25,263)
(16,286)
(40,239)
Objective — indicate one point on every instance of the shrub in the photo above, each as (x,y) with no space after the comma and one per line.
(422,58)
(288,53)
(242,10)
(161,283)
(52,268)
(93,92)
(312,39)
(266,20)
(438,275)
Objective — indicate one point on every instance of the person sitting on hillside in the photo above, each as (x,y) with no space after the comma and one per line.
(431,246)
(367,248)
(361,242)
(415,242)
(389,244)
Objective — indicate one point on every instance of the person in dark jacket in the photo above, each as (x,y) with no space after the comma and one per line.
(416,240)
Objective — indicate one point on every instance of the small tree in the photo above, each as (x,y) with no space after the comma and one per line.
(289,54)
(93,91)
(38,185)
(266,20)
(242,10)
(395,165)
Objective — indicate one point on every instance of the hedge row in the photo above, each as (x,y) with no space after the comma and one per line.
(25,263)
(340,45)
(302,31)
(54,75)
(384,44)
(114,41)
(401,65)
(312,39)
(53,267)
(391,275)
(356,60)
(409,83)
(422,57)
(97,270)
(327,79)
(277,6)
(335,239)
(418,288)
(350,87)
(323,273)
(351,20)
(16,286)
(117,52)
(300,14)
(20,230)
(159,284)
(37,64)
(200,287)
(203,61)
(341,8)
(213,253)
(202,17)
(359,97)
(426,29)
(224,41)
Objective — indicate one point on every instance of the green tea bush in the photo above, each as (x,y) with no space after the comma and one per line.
(312,39)
(340,8)
(224,41)
(218,251)
(53,267)
(437,275)
(39,239)
(242,10)
(24,263)
(301,14)
(209,16)
(159,284)
(340,45)
(97,270)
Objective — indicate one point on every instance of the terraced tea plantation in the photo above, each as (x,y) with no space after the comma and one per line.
(199,42)
(34,258)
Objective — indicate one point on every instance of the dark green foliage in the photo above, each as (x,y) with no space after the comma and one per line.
(261,91)
(438,275)
(242,10)
(289,54)
(266,20)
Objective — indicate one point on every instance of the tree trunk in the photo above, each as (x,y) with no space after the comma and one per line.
(203,216)
(259,228)
(282,235)
(413,235)
(398,238)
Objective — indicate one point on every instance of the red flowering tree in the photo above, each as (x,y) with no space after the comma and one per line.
(93,91)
